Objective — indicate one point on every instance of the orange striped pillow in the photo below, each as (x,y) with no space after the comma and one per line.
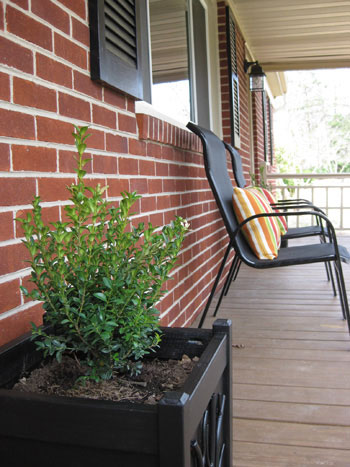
(272,200)
(262,234)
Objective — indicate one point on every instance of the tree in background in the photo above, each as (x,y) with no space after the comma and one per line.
(312,127)
(340,141)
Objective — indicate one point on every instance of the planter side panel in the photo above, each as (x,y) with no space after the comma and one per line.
(37,453)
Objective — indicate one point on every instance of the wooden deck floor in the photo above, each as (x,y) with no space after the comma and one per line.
(291,377)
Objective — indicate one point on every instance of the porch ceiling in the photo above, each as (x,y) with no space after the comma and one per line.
(296,35)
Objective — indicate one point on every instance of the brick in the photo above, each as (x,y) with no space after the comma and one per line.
(116,186)
(163,202)
(131,104)
(34,158)
(155,185)
(16,124)
(10,296)
(156,219)
(169,185)
(149,204)
(52,14)
(73,107)
(4,87)
(113,97)
(28,28)
(154,150)
(105,165)
(70,51)
(14,191)
(103,116)
(116,143)
(128,166)
(127,123)
(30,94)
(137,147)
(16,56)
(6,222)
(96,140)
(162,170)
(67,164)
(81,32)
(78,6)
(19,323)
(4,157)
(139,185)
(53,71)
(146,167)
(54,131)
(54,189)
(85,85)
(142,124)
(12,258)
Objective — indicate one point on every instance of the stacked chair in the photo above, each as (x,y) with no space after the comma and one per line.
(328,251)
(319,229)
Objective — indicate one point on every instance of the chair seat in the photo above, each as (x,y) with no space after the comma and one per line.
(305,254)
(300,232)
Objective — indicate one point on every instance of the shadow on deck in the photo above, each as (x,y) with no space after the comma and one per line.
(291,367)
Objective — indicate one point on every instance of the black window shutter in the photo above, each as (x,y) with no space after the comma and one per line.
(270,132)
(119,45)
(265,125)
(233,79)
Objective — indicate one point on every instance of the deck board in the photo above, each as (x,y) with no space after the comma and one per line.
(291,367)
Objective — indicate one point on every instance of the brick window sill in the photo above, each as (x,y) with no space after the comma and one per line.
(157,127)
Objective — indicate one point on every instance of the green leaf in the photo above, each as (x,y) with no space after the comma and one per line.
(101,296)
(107,282)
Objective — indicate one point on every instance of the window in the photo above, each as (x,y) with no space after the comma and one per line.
(119,51)
(180,60)
(233,79)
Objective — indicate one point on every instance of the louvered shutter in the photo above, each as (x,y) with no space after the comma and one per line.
(265,125)
(233,79)
(270,131)
(119,45)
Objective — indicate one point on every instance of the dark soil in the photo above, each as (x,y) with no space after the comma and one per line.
(157,377)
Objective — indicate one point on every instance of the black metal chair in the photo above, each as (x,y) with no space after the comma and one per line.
(215,163)
(294,232)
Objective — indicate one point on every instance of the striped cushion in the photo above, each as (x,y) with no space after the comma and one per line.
(262,234)
(282,223)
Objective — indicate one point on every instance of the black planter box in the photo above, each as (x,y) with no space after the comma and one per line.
(191,427)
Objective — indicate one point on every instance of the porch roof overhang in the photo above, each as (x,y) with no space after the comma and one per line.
(296,35)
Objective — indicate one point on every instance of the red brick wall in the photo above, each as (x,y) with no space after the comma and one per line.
(45,87)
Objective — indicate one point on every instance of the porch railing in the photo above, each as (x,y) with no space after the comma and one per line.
(330,192)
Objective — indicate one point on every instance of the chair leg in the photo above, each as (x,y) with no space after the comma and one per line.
(231,274)
(227,283)
(234,277)
(331,277)
(215,284)
(327,272)
(342,291)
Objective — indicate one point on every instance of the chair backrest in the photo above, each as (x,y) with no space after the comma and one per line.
(236,166)
(215,164)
